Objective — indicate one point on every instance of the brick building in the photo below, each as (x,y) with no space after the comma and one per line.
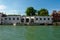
(56,16)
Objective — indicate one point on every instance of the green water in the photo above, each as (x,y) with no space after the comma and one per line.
(9,32)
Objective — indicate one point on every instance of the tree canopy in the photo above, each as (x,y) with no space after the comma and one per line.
(43,12)
(30,11)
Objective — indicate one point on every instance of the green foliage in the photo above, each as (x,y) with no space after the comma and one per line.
(43,12)
(30,11)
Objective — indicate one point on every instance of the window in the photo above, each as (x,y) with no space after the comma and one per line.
(36,18)
(40,18)
(48,18)
(32,20)
(27,20)
(13,18)
(44,18)
(22,20)
(17,18)
(5,18)
(9,18)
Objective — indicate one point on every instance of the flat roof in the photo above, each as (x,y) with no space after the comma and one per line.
(13,15)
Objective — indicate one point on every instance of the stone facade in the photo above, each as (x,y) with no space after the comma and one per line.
(43,19)
(11,19)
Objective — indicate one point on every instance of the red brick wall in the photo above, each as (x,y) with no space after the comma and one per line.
(56,16)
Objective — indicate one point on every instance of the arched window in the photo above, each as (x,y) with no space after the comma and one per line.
(17,18)
(22,20)
(5,18)
(36,18)
(40,18)
(27,20)
(9,18)
(48,18)
(13,18)
(44,18)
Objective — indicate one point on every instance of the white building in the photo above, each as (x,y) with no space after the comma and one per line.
(43,19)
(37,19)
(10,19)
(27,19)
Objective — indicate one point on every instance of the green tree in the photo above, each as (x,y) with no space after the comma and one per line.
(30,11)
(43,12)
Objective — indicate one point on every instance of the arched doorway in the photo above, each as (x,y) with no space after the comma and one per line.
(22,20)
(27,20)
(32,21)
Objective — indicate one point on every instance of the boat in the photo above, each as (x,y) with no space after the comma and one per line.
(14,24)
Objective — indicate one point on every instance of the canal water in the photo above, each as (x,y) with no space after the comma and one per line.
(9,32)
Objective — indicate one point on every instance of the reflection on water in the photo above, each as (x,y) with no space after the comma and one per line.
(29,32)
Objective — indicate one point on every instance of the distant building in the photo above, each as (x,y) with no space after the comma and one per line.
(56,16)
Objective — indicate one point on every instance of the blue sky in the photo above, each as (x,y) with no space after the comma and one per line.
(19,6)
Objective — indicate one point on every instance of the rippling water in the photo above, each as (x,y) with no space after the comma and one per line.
(9,32)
